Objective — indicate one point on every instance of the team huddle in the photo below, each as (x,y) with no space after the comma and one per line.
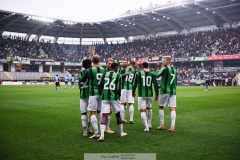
(103,91)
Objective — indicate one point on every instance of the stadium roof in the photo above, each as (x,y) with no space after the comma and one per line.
(147,22)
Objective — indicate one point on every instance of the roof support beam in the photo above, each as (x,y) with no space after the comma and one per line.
(81,33)
(226,18)
(177,20)
(117,30)
(60,32)
(9,23)
(5,17)
(33,30)
(101,33)
(226,6)
(140,30)
(145,27)
(169,23)
(44,30)
(207,15)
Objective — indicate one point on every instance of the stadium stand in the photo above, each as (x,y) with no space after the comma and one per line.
(59,52)
(199,44)
(33,76)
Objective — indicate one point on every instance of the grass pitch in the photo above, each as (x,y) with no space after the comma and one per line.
(36,122)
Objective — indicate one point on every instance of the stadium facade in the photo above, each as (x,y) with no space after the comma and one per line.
(185,18)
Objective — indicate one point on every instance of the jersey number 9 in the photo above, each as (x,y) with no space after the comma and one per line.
(99,76)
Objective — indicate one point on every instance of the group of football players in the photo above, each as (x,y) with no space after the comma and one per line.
(103,91)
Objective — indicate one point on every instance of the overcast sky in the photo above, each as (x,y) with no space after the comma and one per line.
(75,10)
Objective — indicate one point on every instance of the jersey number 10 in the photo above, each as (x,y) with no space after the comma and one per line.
(148,80)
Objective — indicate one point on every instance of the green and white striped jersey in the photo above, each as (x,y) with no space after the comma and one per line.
(169,80)
(145,83)
(111,86)
(83,86)
(94,76)
(128,80)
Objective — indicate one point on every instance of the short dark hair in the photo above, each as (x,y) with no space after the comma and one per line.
(87,63)
(145,64)
(96,59)
(114,65)
(132,63)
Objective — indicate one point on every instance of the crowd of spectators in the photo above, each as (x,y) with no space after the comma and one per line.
(18,47)
(199,44)
(198,71)
(200,74)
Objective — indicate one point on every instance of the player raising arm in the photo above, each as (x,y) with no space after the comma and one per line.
(145,83)
(111,91)
(168,92)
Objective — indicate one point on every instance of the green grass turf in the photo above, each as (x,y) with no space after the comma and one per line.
(36,122)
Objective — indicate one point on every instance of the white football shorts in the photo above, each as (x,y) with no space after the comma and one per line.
(144,102)
(83,105)
(94,103)
(106,106)
(126,96)
(167,98)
